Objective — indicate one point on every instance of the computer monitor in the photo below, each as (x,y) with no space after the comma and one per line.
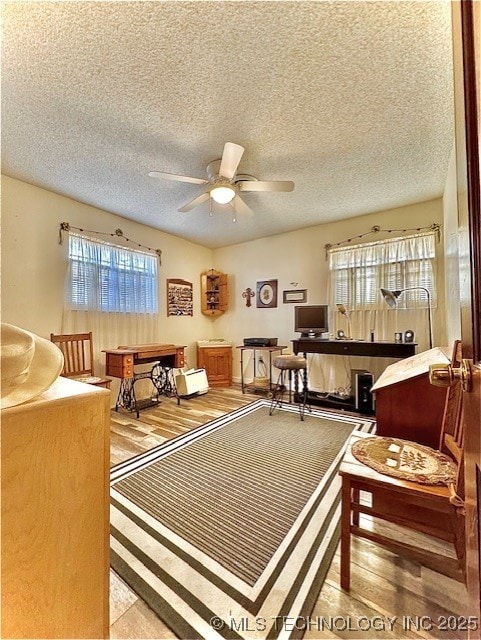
(311,320)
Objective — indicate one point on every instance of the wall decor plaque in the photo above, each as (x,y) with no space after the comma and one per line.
(179,297)
(294,295)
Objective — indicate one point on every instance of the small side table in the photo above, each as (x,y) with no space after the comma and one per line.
(270,387)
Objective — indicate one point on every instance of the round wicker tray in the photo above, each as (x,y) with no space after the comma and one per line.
(406,460)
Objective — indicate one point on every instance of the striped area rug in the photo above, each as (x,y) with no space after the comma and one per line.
(228,531)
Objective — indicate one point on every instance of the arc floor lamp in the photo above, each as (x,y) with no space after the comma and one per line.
(391,299)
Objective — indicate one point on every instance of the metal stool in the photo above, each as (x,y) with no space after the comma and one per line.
(288,364)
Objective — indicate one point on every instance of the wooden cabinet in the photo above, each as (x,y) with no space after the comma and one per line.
(407,405)
(217,362)
(55,514)
(214,293)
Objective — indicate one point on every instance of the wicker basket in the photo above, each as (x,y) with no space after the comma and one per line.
(260,381)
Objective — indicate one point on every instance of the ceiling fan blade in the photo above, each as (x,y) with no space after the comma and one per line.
(230,160)
(195,202)
(241,208)
(174,176)
(265,185)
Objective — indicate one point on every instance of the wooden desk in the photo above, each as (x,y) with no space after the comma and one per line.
(364,348)
(355,348)
(121,362)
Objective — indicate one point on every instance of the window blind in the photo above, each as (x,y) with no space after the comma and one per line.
(105,277)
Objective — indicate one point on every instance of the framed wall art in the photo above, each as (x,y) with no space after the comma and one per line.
(179,297)
(266,294)
(294,295)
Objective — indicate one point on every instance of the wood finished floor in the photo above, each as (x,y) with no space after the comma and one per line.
(384,585)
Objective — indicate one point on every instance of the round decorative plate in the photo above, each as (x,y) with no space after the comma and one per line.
(406,460)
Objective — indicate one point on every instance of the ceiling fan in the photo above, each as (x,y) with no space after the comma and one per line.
(223,184)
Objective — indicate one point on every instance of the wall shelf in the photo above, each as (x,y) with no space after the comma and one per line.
(214,293)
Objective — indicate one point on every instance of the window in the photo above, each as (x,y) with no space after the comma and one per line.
(104,277)
(358,272)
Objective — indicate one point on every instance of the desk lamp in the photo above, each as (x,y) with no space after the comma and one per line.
(342,310)
(391,299)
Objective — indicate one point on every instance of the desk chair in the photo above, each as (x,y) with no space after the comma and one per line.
(78,353)
(435,510)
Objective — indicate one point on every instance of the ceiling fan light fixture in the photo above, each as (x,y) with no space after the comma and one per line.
(222,195)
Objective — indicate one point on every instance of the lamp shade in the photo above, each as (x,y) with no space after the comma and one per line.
(222,195)
(391,297)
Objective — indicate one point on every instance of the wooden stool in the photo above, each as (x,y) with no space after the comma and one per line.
(288,364)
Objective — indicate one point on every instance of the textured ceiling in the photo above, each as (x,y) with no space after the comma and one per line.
(351,100)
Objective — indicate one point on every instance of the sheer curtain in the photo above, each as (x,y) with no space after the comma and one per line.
(356,275)
(111,291)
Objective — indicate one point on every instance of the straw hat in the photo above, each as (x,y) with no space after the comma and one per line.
(29,365)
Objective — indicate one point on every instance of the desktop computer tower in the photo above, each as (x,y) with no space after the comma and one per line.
(361,384)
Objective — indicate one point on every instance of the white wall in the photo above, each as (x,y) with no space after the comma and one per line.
(451,252)
(34,264)
(299,256)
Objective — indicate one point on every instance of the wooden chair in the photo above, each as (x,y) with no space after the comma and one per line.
(78,352)
(434,510)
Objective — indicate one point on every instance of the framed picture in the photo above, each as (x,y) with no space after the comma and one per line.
(179,297)
(266,294)
(294,295)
